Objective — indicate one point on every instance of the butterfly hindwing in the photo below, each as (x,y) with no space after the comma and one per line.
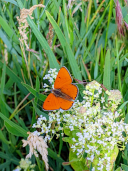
(62,78)
(51,102)
(65,104)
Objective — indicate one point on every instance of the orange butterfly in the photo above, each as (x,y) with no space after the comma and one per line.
(63,94)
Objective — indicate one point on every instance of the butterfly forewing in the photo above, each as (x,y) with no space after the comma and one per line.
(62,78)
(71,90)
(51,103)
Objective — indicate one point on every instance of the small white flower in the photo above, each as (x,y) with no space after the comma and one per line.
(92,157)
(51,80)
(108,92)
(36,133)
(17,169)
(53,131)
(46,90)
(44,118)
(71,127)
(45,85)
(116,114)
(73,139)
(34,125)
(53,86)
(93,169)
(102,100)
(61,111)
(100,90)
(96,95)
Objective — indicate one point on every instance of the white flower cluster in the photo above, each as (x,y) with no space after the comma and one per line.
(93,127)
(52,73)
(25,165)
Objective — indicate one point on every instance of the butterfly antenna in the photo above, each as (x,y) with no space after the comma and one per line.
(80,82)
(37,104)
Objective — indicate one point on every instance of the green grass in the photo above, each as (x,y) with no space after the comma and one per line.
(85,40)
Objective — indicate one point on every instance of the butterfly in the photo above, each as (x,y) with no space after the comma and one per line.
(64,93)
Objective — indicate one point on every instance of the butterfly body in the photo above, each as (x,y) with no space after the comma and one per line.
(59,93)
(63,94)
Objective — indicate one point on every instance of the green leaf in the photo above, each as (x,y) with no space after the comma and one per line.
(126,19)
(20,4)
(106,79)
(108,24)
(57,6)
(4,165)
(41,113)
(67,139)
(34,92)
(13,128)
(53,155)
(3,107)
(9,157)
(124,167)
(8,30)
(118,169)
(37,84)
(66,47)
(11,1)
(2,137)
(77,165)
(13,76)
(52,60)
(3,78)
(67,131)
(9,45)
(123,105)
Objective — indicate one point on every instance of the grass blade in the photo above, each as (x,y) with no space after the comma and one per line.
(106,79)
(35,93)
(13,127)
(52,60)
(66,46)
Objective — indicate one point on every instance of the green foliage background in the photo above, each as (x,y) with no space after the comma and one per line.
(85,40)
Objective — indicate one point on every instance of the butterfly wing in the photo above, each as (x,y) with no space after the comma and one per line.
(65,104)
(63,82)
(71,90)
(62,78)
(51,102)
